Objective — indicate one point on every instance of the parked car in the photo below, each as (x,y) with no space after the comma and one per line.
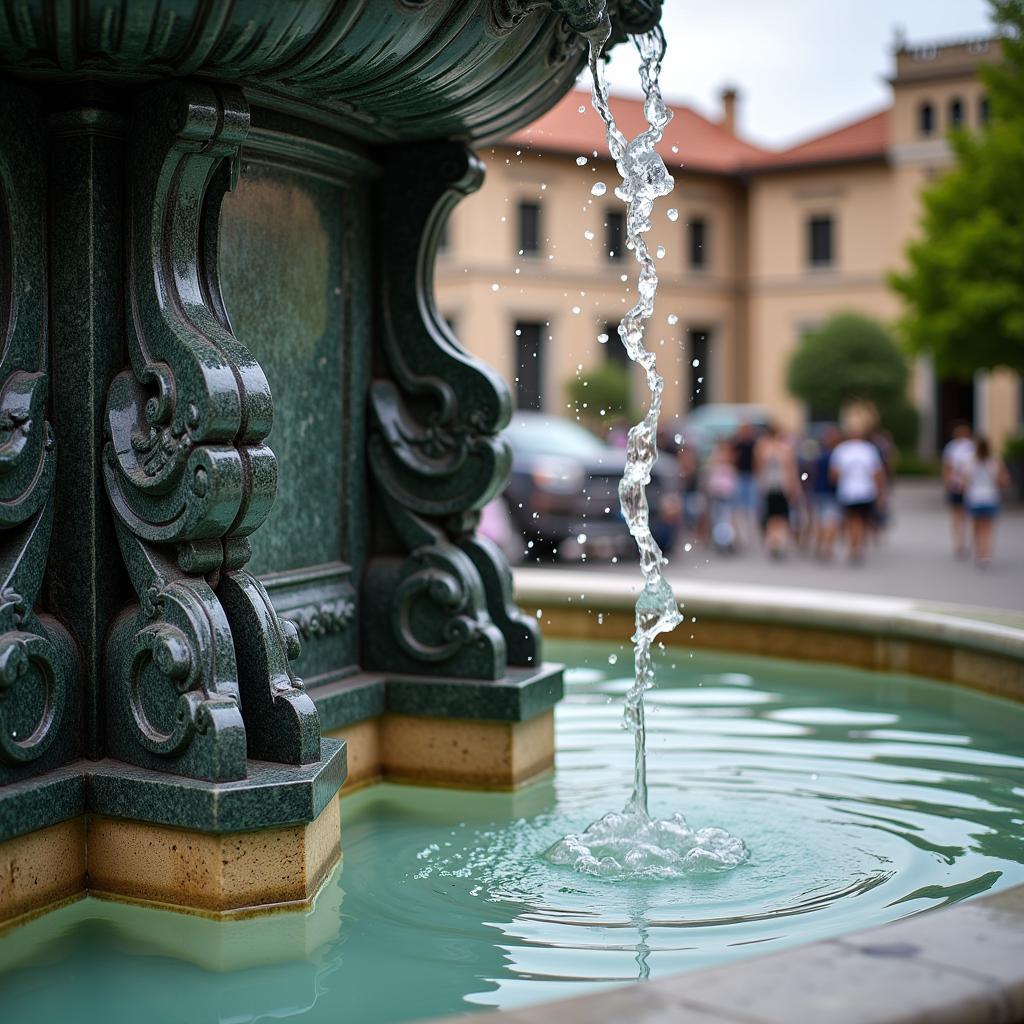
(562,497)
(714,421)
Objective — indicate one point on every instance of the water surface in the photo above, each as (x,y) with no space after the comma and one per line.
(862,798)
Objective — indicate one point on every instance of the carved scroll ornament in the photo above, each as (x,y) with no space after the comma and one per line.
(435,449)
(38,661)
(202,666)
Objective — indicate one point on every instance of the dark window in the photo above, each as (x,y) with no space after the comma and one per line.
(615,351)
(956,112)
(698,247)
(529,349)
(615,234)
(819,241)
(983,110)
(529,228)
(697,354)
(926,119)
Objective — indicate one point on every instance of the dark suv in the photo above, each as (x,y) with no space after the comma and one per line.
(563,493)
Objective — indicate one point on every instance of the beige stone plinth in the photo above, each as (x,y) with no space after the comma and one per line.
(41,868)
(449,751)
(210,872)
(362,741)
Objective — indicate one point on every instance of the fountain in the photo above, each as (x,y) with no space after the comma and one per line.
(236,430)
(238,441)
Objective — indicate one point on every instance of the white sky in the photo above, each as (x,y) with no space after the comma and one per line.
(801,65)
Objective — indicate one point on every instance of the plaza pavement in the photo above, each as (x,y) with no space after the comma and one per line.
(914,560)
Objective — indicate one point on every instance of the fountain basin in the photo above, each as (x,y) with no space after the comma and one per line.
(865,797)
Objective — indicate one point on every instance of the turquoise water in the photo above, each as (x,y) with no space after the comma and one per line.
(862,798)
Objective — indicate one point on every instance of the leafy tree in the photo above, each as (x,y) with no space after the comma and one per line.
(852,358)
(964,286)
(602,395)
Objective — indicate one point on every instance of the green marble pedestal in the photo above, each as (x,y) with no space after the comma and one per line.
(237,441)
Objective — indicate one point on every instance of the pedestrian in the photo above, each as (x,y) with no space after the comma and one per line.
(775,469)
(857,471)
(721,480)
(827,515)
(958,451)
(983,477)
(747,504)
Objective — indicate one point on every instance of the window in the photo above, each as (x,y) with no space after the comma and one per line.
(956,112)
(926,119)
(614,350)
(983,110)
(697,351)
(615,234)
(820,241)
(697,247)
(529,364)
(529,228)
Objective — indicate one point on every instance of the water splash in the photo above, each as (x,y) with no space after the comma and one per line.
(631,844)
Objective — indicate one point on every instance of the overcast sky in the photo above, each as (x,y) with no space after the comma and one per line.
(801,65)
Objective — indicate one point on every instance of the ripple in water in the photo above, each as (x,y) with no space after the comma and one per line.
(631,845)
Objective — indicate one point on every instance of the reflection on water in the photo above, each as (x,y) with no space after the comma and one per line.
(863,798)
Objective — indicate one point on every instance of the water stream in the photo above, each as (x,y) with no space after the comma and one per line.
(631,843)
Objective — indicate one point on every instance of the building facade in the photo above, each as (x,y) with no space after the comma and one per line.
(760,246)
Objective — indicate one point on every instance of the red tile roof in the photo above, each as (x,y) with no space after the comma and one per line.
(702,144)
(693,141)
(863,139)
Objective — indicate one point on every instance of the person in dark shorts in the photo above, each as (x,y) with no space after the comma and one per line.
(857,471)
(775,467)
(983,477)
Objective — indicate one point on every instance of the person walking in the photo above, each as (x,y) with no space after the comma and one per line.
(958,451)
(857,471)
(775,468)
(747,499)
(983,477)
(827,516)
(721,481)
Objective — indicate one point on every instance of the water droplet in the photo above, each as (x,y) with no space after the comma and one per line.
(581,161)
(599,188)
(612,658)
(678,438)
(495,286)
(673,214)
(803,476)
(673,319)
(695,362)
(539,611)
(660,252)
(582,109)
(581,538)
(576,310)
(602,339)
(687,546)
(588,235)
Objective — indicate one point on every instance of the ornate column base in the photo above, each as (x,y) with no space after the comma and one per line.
(491,735)
(111,830)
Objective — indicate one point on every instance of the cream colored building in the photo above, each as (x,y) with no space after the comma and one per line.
(760,246)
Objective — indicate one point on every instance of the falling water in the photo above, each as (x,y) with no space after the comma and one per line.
(630,843)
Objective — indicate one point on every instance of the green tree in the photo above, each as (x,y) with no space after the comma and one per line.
(964,286)
(852,358)
(603,395)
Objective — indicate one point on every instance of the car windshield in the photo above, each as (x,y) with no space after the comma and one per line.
(549,435)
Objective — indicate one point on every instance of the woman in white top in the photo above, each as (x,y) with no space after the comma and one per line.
(857,471)
(983,478)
